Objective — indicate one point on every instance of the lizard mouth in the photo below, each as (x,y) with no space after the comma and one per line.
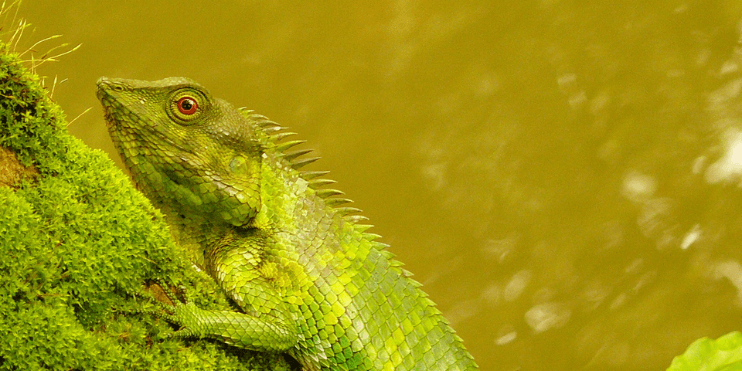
(109,93)
(104,94)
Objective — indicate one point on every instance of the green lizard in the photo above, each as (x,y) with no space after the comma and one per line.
(310,282)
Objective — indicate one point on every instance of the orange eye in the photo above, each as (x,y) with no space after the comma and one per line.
(187,105)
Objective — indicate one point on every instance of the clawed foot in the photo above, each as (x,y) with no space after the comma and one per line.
(172,307)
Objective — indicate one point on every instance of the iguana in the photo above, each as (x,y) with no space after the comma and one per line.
(307,278)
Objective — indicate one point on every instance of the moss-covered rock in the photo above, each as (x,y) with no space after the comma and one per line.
(78,244)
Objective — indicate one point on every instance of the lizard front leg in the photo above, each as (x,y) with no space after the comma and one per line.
(266,321)
(266,325)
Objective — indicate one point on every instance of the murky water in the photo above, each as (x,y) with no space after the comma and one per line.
(563,177)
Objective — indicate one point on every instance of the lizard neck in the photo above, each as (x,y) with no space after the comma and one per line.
(204,242)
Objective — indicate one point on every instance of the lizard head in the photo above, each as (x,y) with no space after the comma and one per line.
(193,155)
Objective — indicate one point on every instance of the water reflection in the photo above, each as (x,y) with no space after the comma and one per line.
(729,167)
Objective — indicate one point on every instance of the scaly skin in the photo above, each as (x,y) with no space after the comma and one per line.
(309,281)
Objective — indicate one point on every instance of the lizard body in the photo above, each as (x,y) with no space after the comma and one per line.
(309,281)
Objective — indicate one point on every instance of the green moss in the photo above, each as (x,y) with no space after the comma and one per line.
(77,245)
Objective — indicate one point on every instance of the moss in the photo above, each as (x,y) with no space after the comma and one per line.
(78,244)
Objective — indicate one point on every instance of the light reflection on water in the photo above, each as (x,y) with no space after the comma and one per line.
(729,167)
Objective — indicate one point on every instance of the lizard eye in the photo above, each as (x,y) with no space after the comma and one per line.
(187,105)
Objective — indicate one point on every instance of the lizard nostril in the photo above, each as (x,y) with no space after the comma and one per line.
(110,84)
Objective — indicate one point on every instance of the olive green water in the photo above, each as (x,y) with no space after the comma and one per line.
(563,177)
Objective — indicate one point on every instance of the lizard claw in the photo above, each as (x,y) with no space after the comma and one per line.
(165,301)
(162,292)
(186,316)
(175,309)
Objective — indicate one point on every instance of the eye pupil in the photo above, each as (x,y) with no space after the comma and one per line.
(187,105)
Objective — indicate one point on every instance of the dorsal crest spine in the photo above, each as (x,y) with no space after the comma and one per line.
(276,135)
